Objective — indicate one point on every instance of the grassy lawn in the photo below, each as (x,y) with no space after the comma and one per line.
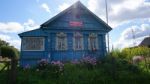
(107,71)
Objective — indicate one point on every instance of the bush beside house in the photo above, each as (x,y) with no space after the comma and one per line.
(116,68)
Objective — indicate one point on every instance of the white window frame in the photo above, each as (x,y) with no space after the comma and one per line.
(42,49)
(93,36)
(77,34)
(58,39)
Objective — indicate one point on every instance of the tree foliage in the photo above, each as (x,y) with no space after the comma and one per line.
(138,51)
(129,53)
(2,42)
(9,51)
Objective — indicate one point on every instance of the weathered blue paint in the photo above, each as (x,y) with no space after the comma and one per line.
(60,23)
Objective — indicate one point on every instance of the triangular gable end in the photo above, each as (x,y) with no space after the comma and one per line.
(77,4)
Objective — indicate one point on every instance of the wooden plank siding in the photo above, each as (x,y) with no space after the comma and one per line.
(60,23)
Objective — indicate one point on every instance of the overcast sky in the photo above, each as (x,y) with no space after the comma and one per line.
(125,16)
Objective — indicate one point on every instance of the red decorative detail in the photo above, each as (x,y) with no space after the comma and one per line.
(76,24)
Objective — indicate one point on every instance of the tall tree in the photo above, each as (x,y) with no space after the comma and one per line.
(3,43)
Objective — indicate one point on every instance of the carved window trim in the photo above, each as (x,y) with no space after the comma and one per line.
(28,42)
(61,41)
(93,42)
(78,41)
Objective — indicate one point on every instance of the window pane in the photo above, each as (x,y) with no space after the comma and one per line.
(93,41)
(61,41)
(33,43)
(78,41)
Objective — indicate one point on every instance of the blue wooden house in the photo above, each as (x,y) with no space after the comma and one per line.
(70,35)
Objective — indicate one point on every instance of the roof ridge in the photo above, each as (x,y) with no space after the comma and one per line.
(78,3)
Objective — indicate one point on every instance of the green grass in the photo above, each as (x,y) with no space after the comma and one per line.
(116,68)
(1,65)
(107,71)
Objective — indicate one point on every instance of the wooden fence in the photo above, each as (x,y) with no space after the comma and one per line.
(11,67)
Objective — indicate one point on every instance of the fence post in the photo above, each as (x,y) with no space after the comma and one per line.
(13,71)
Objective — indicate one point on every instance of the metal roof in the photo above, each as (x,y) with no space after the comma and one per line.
(145,42)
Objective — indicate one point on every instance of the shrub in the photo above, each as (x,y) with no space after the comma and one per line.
(117,53)
(8,51)
(42,64)
(58,64)
(111,70)
(27,67)
(89,62)
(138,51)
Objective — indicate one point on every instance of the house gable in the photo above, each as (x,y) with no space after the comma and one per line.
(76,17)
